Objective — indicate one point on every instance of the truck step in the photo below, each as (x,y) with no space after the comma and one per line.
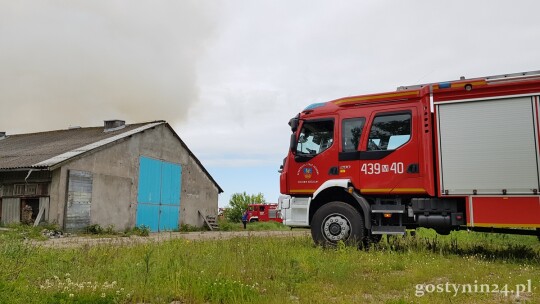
(388,230)
(387,209)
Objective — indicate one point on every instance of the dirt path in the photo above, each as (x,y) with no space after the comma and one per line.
(79,241)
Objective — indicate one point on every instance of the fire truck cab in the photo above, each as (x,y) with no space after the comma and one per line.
(445,155)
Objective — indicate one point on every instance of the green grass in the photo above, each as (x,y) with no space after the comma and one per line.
(21,232)
(225,225)
(270,270)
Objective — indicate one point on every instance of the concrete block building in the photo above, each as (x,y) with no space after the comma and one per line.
(118,174)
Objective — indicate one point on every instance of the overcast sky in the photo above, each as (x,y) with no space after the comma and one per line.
(228,75)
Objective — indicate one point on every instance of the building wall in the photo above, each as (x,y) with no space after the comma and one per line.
(115,172)
(198,192)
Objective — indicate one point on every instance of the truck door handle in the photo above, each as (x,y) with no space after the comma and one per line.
(413,168)
(333,171)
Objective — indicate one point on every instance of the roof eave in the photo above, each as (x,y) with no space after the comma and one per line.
(40,168)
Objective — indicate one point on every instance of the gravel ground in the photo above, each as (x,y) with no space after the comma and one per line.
(79,241)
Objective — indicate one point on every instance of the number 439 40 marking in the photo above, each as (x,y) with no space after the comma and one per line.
(376,168)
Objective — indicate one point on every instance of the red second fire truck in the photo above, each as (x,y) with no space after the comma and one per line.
(263,213)
(447,156)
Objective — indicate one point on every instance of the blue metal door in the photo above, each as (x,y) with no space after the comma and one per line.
(170,196)
(159,194)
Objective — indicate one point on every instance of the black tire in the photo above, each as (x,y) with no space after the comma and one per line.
(338,221)
(253,220)
(443,231)
(538,233)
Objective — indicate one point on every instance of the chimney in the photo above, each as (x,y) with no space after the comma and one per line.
(113,125)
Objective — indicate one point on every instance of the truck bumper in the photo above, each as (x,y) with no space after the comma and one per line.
(294,210)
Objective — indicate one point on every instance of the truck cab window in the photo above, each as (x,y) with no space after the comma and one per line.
(351,132)
(389,132)
(315,137)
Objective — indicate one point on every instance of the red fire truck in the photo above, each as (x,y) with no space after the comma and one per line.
(449,155)
(263,213)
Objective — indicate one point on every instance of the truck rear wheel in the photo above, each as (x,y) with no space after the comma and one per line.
(337,221)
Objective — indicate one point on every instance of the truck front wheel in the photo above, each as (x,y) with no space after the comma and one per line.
(337,221)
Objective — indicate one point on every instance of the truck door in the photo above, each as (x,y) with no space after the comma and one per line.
(352,129)
(315,160)
(388,160)
(262,213)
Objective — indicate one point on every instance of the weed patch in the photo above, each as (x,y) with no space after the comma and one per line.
(458,243)
(190,228)
(23,232)
(268,270)
(140,231)
(65,290)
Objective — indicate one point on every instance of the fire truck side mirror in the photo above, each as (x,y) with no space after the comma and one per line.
(294,123)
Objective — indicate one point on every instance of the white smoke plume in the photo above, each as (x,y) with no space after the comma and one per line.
(70,62)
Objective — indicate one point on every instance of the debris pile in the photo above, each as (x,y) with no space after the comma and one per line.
(53,234)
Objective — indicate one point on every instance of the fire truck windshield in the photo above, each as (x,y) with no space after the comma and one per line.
(315,137)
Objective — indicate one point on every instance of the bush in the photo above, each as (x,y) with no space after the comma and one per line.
(142,230)
(94,229)
(190,228)
(98,230)
(110,230)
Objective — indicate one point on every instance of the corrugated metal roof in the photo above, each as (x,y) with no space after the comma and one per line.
(44,150)
(69,154)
